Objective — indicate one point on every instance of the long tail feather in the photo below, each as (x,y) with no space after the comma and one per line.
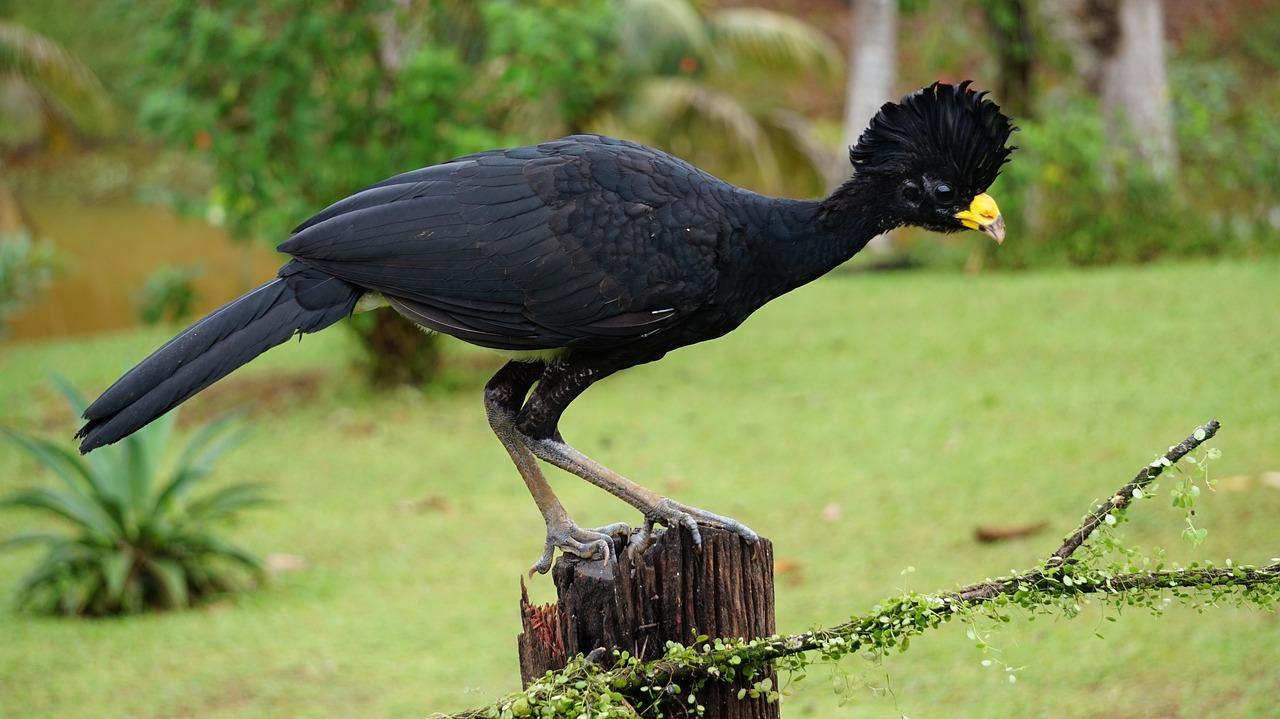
(301,299)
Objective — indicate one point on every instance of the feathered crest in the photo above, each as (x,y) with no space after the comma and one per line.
(942,123)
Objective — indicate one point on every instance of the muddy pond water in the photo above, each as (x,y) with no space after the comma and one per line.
(111,249)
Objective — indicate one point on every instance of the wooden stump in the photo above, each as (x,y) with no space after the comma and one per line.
(640,601)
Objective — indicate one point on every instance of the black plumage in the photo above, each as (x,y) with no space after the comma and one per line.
(945,129)
(504,249)
(609,252)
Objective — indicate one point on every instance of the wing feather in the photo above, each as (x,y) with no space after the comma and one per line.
(569,243)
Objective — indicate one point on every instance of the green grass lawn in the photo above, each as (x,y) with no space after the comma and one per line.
(915,407)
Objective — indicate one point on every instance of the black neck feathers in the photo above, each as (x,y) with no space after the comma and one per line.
(802,240)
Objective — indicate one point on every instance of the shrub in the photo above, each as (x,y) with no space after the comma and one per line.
(169,294)
(27,267)
(299,103)
(1073,199)
(139,540)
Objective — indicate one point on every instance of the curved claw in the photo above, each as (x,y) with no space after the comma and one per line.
(588,544)
(618,531)
(641,540)
(543,565)
(674,514)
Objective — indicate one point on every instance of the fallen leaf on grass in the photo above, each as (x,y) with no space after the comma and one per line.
(280,563)
(675,485)
(1234,483)
(257,393)
(422,505)
(790,570)
(1002,534)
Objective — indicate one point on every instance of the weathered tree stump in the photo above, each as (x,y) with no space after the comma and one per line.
(640,601)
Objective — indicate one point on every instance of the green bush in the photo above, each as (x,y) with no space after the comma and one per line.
(1070,198)
(139,540)
(300,103)
(168,294)
(27,267)
(1230,145)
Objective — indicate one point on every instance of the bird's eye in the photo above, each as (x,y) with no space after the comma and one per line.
(944,192)
(911,191)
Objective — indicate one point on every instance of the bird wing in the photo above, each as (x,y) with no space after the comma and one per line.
(580,242)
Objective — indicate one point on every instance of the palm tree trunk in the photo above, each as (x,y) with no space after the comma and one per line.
(872,63)
(1128,36)
(872,72)
(1014,46)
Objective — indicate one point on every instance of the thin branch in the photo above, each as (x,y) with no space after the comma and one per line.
(1174,578)
(664,672)
(1145,476)
(781,646)
(1119,500)
(930,611)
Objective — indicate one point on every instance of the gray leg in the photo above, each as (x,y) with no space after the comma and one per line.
(656,508)
(563,381)
(562,533)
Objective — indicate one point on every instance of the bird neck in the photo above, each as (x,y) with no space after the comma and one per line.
(807,239)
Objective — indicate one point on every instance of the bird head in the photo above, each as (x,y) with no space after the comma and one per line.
(931,157)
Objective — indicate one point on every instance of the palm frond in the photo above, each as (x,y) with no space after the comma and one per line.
(664,104)
(197,459)
(153,441)
(68,390)
(22,540)
(59,581)
(62,461)
(797,145)
(116,567)
(226,501)
(59,78)
(172,578)
(213,545)
(648,28)
(773,41)
(82,478)
(136,467)
(76,509)
(103,465)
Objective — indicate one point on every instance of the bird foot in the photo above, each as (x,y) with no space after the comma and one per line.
(671,513)
(588,544)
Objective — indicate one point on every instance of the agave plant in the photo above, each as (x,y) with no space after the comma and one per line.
(27,267)
(140,539)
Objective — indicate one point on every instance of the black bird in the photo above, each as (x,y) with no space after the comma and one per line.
(581,257)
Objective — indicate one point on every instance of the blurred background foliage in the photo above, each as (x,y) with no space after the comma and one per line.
(27,267)
(251,116)
(169,294)
(298,104)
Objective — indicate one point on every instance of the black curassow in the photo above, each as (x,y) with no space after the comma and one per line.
(581,257)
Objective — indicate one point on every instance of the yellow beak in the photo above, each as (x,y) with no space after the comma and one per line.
(983,215)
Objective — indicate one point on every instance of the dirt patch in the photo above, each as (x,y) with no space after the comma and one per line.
(256,394)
